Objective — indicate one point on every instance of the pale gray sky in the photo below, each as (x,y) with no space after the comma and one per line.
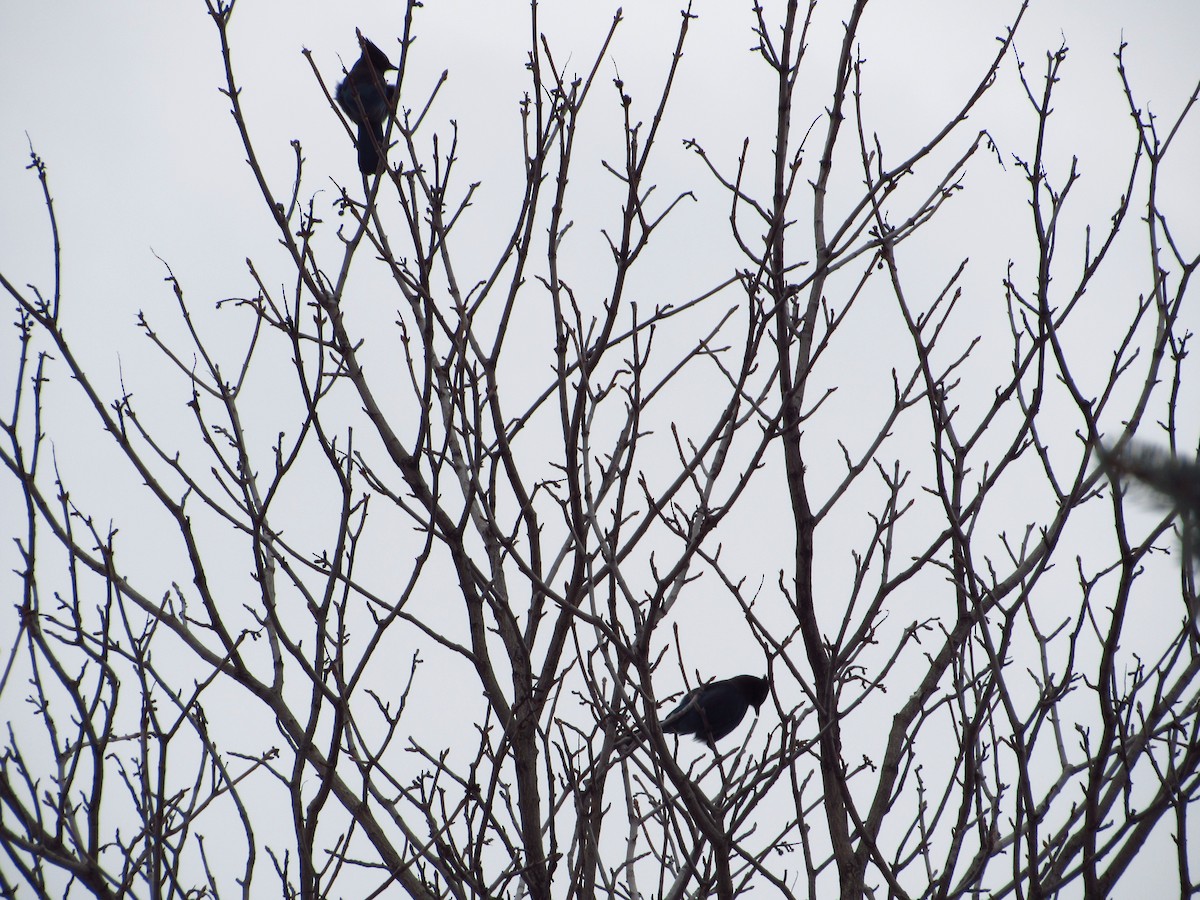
(122,102)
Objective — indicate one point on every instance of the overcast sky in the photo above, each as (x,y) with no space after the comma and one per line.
(122,101)
(144,160)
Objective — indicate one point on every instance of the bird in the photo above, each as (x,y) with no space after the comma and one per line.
(367,101)
(713,710)
(1172,480)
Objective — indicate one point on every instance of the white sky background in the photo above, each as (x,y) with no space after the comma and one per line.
(122,102)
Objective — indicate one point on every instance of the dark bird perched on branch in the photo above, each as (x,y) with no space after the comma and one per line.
(1174,481)
(367,101)
(713,710)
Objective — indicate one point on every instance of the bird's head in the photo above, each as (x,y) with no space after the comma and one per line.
(755,689)
(379,59)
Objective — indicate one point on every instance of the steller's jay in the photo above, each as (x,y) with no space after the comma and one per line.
(367,101)
(1174,481)
(713,710)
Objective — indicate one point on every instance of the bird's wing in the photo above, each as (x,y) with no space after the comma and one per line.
(689,702)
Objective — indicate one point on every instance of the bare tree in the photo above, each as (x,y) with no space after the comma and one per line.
(496,519)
